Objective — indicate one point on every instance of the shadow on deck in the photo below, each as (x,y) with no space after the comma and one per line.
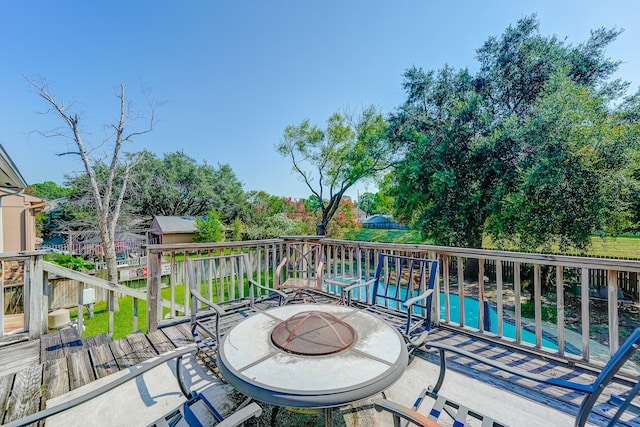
(67,362)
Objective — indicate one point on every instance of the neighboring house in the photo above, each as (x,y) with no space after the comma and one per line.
(19,220)
(383,221)
(360,215)
(172,229)
(17,210)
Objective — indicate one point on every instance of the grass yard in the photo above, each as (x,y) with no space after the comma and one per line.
(123,318)
(387,236)
(607,247)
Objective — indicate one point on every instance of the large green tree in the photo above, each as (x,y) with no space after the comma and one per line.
(178,185)
(531,149)
(330,161)
(49,190)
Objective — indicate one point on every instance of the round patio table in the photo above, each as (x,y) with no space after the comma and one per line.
(371,356)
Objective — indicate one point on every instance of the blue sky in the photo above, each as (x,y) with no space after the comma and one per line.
(234,74)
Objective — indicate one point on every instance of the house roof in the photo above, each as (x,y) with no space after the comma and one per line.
(173,224)
(378,218)
(124,236)
(10,176)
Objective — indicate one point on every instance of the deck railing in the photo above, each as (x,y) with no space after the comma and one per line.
(544,302)
(28,272)
(23,272)
(560,321)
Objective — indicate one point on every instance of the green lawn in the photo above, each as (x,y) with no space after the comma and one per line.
(387,236)
(617,247)
(123,318)
(609,247)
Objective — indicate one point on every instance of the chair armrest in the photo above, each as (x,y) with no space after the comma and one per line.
(205,301)
(266,288)
(408,303)
(401,411)
(346,290)
(358,285)
(239,417)
(278,273)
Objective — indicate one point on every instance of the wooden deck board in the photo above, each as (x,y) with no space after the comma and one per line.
(141,347)
(6,382)
(51,346)
(123,353)
(55,379)
(71,341)
(160,342)
(25,394)
(80,369)
(96,340)
(103,361)
(177,337)
(16,357)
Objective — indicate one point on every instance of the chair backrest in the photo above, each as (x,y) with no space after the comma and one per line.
(399,278)
(301,267)
(220,278)
(619,358)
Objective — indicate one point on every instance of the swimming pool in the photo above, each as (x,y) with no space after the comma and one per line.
(471,316)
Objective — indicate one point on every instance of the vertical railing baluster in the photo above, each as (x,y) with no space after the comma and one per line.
(460,290)
(584,294)
(481,312)
(518,307)
(537,298)
(560,307)
(135,315)
(499,291)
(612,293)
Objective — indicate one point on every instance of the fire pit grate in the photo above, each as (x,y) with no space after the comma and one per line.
(313,333)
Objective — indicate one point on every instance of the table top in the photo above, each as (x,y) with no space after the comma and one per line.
(251,363)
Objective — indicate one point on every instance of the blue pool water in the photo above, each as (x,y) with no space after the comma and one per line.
(471,316)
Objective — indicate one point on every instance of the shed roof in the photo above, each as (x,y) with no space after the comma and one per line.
(174,224)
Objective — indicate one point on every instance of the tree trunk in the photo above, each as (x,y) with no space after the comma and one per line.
(321,229)
(109,253)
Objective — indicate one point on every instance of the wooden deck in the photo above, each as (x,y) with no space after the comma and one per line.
(65,362)
(556,397)
(61,361)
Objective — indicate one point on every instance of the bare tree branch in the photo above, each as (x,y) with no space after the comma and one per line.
(108,205)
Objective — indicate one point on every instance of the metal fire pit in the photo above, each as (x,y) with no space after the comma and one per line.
(313,333)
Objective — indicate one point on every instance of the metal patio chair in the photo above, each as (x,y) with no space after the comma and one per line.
(300,271)
(620,403)
(228,279)
(195,411)
(402,293)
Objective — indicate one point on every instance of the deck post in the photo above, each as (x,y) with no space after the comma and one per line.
(135,315)
(37,319)
(80,325)
(153,290)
